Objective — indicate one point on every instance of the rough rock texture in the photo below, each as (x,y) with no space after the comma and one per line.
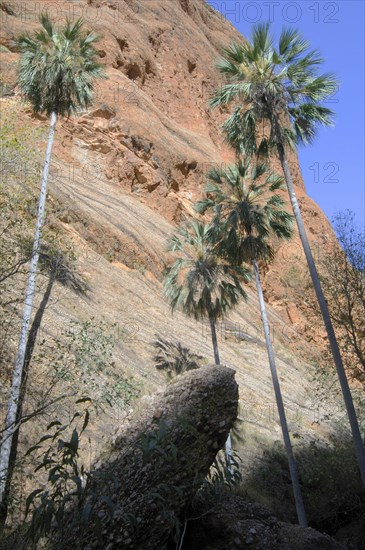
(161,458)
(150,132)
(236,523)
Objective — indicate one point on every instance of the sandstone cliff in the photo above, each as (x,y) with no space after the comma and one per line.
(129,169)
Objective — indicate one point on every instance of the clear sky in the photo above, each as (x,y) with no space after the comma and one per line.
(333,166)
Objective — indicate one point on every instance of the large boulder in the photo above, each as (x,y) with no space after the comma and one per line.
(234,523)
(145,482)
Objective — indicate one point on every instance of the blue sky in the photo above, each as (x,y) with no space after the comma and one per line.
(333,166)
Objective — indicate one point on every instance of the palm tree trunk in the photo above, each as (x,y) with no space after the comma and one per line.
(228,444)
(23,388)
(360,450)
(214,337)
(228,453)
(280,405)
(10,421)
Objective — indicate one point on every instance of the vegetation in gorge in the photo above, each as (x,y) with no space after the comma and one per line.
(343,275)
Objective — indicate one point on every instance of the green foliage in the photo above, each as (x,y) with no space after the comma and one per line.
(199,282)
(273,83)
(67,499)
(82,357)
(67,480)
(20,176)
(328,471)
(19,173)
(343,278)
(351,238)
(223,476)
(75,362)
(330,483)
(328,405)
(18,203)
(17,142)
(58,67)
(173,358)
(246,211)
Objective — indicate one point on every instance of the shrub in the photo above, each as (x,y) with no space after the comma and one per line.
(173,358)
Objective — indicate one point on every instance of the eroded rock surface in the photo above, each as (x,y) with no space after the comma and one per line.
(150,133)
(160,459)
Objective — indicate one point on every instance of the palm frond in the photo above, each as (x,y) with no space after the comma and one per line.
(287,38)
(58,68)
(72,31)
(235,53)
(261,39)
(275,182)
(320,88)
(306,118)
(200,282)
(297,46)
(240,131)
(46,24)
(230,92)
(265,82)
(247,213)
(203,205)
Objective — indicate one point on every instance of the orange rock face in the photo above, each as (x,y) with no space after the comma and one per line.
(150,133)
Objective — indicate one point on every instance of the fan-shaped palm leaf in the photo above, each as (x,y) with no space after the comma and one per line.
(58,68)
(247,212)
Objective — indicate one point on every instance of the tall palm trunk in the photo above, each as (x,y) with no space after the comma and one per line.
(280,405)
(360,450)
(228,444)
(214,336)
(10,421)
(23,387)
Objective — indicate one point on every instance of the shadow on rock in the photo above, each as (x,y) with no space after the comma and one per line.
(143,485)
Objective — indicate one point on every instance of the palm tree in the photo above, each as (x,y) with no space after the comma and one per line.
(203,285)
(277,92)
(56,75)
(245,206)
(200,283)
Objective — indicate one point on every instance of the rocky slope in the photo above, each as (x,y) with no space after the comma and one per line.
(125,172)
(241,524)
